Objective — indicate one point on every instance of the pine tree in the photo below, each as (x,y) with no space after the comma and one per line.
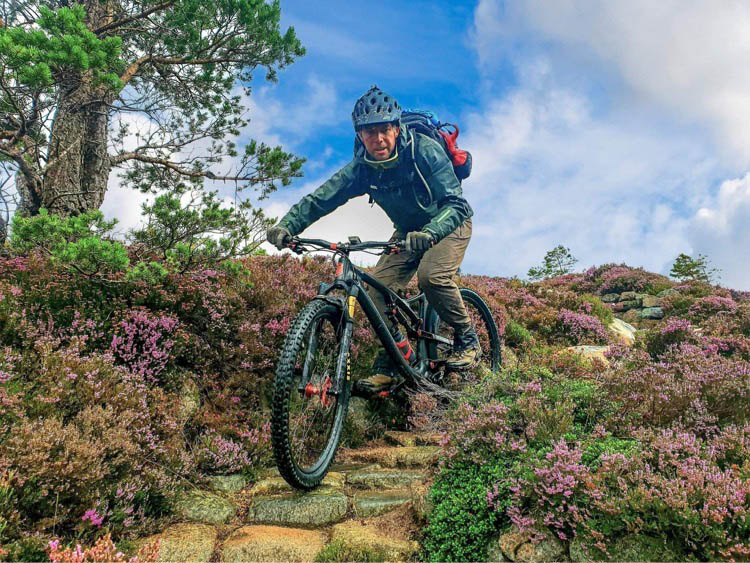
(75,78)
(557,262)
(687,268)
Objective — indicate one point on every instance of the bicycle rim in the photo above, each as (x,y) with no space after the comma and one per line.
(307,419)
(489,340)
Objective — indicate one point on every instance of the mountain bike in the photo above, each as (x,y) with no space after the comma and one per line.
(314,377)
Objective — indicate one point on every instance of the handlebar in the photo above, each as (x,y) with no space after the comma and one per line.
(298,245)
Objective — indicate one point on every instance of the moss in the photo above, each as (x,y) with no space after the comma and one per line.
(339,550)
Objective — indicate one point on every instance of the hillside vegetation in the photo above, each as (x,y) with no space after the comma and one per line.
(118,392)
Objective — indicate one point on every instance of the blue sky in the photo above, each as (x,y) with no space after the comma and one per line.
(618,129)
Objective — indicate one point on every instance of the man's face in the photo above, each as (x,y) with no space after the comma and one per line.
(379,140)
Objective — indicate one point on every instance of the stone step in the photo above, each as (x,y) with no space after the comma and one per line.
(319,507)
(193,543)
(276,484)
(413,456)
(364,541)
(272,543)
(408,439)
(203,506)
(384,479)
(375,503)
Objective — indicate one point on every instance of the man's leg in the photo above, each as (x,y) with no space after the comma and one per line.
(394,271)
(435,274)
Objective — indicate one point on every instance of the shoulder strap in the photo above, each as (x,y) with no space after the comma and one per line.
(413,141)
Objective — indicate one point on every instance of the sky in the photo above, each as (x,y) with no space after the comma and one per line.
(620,130)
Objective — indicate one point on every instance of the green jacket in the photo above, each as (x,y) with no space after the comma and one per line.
(399,190)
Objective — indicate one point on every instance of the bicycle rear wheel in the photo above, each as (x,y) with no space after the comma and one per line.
(489,339)
(307,417)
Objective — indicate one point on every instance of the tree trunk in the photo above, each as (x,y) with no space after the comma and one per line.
(78,164)
(76,177)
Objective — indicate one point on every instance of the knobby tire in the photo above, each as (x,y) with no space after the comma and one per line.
(296,471)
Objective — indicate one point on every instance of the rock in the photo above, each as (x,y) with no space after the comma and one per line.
(400,438)
(192,543)
(651,301)
(421,501)
(272,543)
(189,399)
(321,506)
(494,554)
(610,297)
(508,356)
(204,506)
(383,479)
(634,547)
(358,535)
(667,292)
(627,305)
(374,503)
(590,352)
(548,549)
(652,313)
(227,483)
(628,296)
(624,332)
(510,542)
(414,456)
(277,484)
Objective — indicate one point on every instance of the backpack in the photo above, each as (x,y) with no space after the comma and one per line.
(427,123)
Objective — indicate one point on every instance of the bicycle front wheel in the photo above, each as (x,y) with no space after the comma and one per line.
(308,413)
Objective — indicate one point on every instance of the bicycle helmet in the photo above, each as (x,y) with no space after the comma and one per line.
(373,107)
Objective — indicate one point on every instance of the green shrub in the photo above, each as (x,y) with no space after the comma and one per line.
(606,445)
(516,334)
(462,521)
(599,309)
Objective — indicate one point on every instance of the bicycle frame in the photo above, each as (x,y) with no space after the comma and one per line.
(349,280)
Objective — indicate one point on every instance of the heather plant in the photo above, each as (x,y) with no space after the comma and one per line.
(711,305)
(581,328)
(516,334)
(675,331)
(694,386)
(619,278)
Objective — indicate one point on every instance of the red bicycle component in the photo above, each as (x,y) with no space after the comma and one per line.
(312,391)
(324,398)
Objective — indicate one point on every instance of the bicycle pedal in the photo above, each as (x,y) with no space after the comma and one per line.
(383,394)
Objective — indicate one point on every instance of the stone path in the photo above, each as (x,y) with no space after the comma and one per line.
(365,509)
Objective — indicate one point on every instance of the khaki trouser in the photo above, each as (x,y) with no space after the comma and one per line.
(435,270)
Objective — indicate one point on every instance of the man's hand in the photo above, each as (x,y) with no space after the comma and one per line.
(418,241)
(278,236)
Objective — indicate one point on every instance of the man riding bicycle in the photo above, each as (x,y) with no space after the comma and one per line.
(412,179)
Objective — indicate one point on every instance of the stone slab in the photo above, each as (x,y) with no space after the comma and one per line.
(277,484)
(358,535)
(652,313)
(192,543)
(204,506)
(319,507)
(383,479)
(272,543)
(414,456)
(374,503)
(227,483)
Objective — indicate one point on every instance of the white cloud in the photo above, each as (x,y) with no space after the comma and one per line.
(548,170)
(601,145)
(721,231)
(689,58)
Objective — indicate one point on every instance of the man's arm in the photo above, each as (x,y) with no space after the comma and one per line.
(335,192)
(437,169)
